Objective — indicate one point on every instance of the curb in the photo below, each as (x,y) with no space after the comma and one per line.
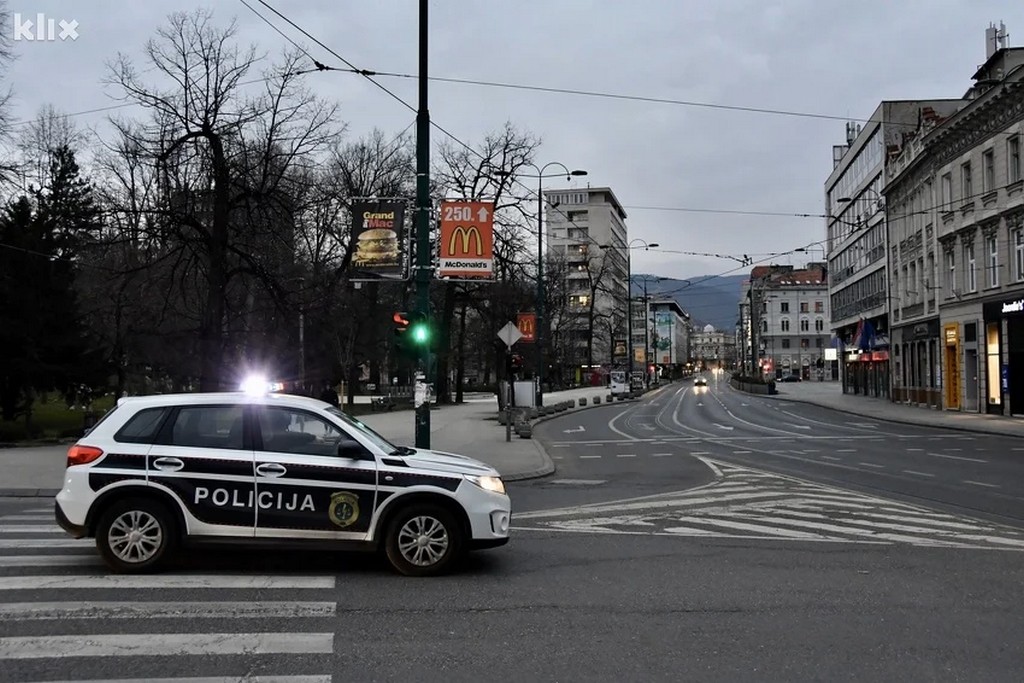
(28,493)
(895,420)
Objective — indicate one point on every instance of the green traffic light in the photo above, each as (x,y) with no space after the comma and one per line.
(420,333)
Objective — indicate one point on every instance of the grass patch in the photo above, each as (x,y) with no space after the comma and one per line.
(52,419)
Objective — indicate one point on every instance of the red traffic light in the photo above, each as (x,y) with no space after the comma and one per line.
(401,318)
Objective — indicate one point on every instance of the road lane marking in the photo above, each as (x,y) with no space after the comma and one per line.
(561,445)
(796,426)
(871,464)
(586,457)
(31,529)
(920,474)
(915,449)
(981,483)
(846,450)
(721,426)
(44,543)
(952,449)
(660,455)
(167,610)
(50,560)
(830,457)
(164,644)
(164,581)
(578,482)
(625,455)
(700,453)
(741,452)
(957,457)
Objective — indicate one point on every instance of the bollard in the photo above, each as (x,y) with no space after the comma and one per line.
(583,402)
(597,400)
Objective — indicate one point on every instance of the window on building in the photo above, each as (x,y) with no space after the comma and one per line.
(1018,254)
(805,343)
(966,191)
(805,325)
(947,191)
(784,307)
(970,269)
(819,306)
(988,171)
(764,326)
(819,342)
(819,325)
(950,274)
(803,306)
(1013,159)
(785,324)
(993,261)
(785,343)
(764,306)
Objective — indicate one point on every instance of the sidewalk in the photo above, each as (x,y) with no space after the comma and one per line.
(830,395)
(469,428)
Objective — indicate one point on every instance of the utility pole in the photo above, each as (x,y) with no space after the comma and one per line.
(421,398)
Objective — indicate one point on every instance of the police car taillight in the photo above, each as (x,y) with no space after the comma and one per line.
(81,455)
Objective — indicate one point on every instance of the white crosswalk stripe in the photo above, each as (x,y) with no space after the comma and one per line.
(57,600)
(746,503)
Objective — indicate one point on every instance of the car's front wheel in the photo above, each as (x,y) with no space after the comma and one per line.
(423,540)
(135,536)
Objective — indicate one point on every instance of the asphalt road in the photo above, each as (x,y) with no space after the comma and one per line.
(683,537)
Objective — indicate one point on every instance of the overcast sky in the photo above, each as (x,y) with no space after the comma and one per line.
(824,57)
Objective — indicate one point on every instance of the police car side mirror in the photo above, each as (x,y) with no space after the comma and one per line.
(353,451)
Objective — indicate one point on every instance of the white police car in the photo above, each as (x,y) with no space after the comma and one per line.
(159,471)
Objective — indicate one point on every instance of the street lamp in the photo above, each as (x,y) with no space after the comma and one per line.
(539,340)
(643,244)
(647,321)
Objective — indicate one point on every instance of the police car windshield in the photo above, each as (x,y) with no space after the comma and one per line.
(378,440)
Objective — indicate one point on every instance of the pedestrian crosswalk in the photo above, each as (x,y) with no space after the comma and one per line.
(746,503)
(63,616)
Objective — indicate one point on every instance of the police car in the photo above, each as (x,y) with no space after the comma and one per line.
(157,472)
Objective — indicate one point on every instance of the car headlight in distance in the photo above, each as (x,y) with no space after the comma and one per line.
(493,484)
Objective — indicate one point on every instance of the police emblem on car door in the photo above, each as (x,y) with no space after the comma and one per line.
(204,456)
(312,478)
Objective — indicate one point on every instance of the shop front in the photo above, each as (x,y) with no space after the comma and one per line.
(916,370)
(1004,356)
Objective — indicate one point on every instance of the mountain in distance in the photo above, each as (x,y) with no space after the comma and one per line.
(709,299)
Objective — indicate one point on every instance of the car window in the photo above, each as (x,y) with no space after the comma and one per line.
(143,426)
(208,427)
(290,430)
(377,440)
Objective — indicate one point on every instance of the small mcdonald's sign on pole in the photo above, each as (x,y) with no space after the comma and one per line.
(527,324)
(467,240)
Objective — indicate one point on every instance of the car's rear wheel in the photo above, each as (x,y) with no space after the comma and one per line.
(136,536)
(423,540)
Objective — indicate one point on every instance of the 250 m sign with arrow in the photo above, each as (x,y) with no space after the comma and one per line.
(467,240)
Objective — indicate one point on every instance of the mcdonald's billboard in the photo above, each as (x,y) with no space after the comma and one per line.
(467,240)
(527,324)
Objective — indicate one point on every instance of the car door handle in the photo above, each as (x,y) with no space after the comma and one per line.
(271,469)
(169,464)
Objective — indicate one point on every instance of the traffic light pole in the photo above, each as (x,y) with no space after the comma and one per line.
(422,400)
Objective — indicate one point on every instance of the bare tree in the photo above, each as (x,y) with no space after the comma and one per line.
(38,141)
(229,164)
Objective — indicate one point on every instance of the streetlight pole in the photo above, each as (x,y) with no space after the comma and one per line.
(539,304)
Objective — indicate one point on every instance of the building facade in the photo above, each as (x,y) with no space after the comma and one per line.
(790,319)
(856,239)
(975,157)
(714,349)
(671,342)
(586,240)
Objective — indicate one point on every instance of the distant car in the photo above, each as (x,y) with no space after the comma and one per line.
(790,378)
(700,382)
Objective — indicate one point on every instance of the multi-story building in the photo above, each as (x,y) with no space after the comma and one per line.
(976,157)
(586,232)
(714,349)
(671,339)
(856,238)
(790,320)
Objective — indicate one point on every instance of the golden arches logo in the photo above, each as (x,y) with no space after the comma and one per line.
(466,234)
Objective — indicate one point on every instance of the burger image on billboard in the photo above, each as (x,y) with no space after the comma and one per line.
(377,247)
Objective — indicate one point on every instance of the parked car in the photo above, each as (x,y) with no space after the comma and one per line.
(790,378)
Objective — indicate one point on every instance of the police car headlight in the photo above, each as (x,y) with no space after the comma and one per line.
(493,484)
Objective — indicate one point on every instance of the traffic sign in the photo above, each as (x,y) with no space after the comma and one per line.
(467,240)
(509,334)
